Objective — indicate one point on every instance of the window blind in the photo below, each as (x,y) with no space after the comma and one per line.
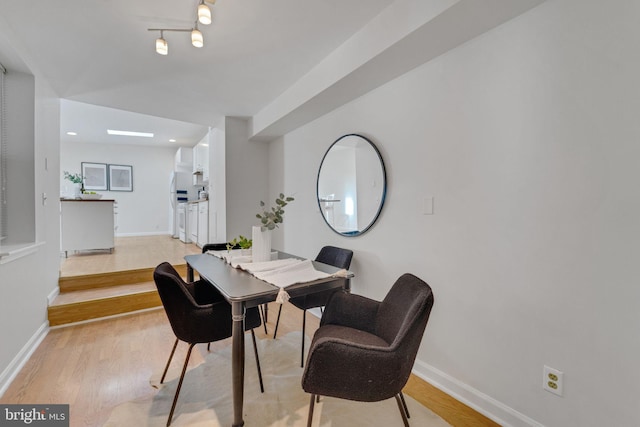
(3,156)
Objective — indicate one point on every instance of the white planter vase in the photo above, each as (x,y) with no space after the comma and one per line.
(77,191)
(261,246)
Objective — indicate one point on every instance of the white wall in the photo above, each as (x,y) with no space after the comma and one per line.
(527,137)
(145,210)
(217,186)
(246,171)
(26,282)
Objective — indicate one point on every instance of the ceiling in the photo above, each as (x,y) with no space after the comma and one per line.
(100,59)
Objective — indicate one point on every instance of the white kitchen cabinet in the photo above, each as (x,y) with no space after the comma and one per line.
(86,225)
(205,163)
(203,223)
(192,223)
(201,162)
(183,159)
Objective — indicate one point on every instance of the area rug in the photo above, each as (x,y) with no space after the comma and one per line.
(205,399)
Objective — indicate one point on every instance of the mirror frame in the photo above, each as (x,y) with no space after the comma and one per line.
(384,186)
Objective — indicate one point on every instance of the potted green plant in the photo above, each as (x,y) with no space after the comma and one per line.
(243,242)
(270,218)
(75,178)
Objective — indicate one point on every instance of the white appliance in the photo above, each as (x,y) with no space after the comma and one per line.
(203,223)
(192,222)
(181,190)
(181,219)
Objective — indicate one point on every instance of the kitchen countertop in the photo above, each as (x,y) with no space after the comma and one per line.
(62,199)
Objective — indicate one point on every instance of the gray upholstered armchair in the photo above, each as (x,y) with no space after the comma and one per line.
(364,350)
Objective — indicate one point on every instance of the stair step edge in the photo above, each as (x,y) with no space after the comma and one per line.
(61,302)
(101,308)
(110,279)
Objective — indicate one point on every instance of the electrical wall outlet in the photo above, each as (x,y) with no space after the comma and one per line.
(552,380)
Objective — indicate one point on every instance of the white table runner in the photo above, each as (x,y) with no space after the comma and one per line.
(279,272)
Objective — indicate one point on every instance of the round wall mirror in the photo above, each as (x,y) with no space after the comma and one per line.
(352,185)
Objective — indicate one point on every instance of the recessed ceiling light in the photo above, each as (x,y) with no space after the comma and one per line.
(129,133)
(72,133)
(172,140)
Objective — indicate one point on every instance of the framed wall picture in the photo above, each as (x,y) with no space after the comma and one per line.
(95,176)
(120,178)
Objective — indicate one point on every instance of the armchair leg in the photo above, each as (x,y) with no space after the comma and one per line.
(255,350)
(311,404)
(277,322)
(175,398)
(402,412)
(166,368)
(404,404)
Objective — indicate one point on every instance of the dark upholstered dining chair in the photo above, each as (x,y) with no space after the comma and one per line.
(364,350)
(331,255)
(197,314)
(217,247)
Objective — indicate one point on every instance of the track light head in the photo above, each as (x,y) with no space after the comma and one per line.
(161,45)
(204,13)
(196,37)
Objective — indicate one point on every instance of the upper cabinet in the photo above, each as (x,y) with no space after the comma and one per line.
(201,162)
(184,159)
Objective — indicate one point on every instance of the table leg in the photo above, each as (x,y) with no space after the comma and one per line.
(237,361)
(189,273)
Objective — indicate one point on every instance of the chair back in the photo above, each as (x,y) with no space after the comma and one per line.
(217,247)
(338,257)
(402,317)
(191,322)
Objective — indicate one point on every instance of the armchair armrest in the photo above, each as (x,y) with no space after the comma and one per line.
(354,311)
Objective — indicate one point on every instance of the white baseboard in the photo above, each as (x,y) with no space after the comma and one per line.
(316,312)
(149,233)
(52,295)
(486,405)
(9,374)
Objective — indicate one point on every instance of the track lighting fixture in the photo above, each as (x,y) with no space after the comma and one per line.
(197,40)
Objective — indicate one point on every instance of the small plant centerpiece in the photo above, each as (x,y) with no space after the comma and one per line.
(76,178)
(243,242)
(270,218)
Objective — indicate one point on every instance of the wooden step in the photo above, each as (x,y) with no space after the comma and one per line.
(81,305)
(116,278)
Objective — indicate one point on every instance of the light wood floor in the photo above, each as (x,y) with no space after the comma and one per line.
(98,365)
(130,253)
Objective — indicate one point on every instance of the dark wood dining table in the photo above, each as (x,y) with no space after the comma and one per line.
(243,290)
